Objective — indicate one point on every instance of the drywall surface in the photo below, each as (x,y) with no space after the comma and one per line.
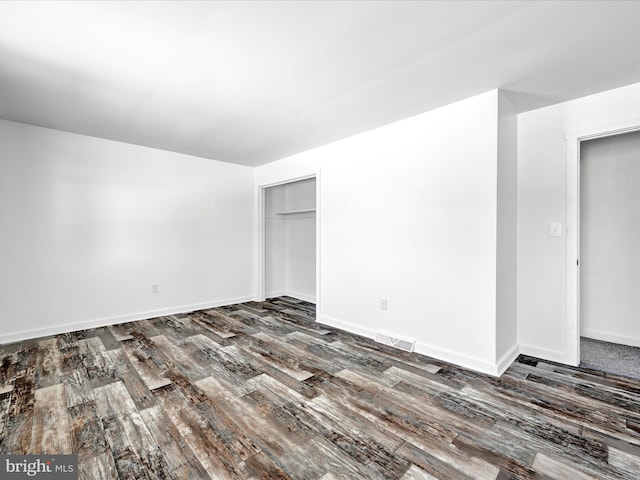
(275,242)
(506,268)
(300,264)
(89,225)
(542,199)
(300,231)
(609,236)
(408,213)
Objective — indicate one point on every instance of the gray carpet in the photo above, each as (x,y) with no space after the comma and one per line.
(610,357)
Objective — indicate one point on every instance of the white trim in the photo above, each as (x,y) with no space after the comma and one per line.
(572,293)
(289,180)
(261,293)
(280,293)
(346,326)
(318,244)
(507,359)
(459,359)
(290,293)
(543,353)
(572,287)
(450,356)
(608,337)
(104,322)
(300,296)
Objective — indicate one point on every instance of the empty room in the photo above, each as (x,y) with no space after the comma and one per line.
(319,240)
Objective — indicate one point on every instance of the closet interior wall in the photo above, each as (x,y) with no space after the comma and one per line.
(290,240)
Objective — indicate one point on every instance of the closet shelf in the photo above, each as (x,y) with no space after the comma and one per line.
(293,212)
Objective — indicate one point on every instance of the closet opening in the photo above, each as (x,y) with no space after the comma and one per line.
(289,241)
(609,271)
(576,141)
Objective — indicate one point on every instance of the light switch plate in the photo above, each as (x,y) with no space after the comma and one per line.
(555,229)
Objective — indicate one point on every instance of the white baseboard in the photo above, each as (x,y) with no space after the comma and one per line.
(349,327)
(610,337)
(103,322)
(301,296)
(279,293)
(507,359)
(291,293)
(459,359)
(544,354)
(456,358)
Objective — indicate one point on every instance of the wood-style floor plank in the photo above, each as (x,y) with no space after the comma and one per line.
(135,451)
(49,363)
(261,391)
(51,432)
(180,459)
(89,442)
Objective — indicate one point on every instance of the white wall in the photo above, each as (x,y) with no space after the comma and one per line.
(88,225)
(609,237)
(301,240)
(301,256)
(542,198)
(408,212)
(275,242)
(506,316)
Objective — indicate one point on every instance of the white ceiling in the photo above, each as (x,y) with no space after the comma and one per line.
(252,82)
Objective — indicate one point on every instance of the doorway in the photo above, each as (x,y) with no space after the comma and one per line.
(573,262)
(289,240)
(609,235)
(609,232)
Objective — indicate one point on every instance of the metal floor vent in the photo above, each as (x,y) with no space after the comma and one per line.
(401,343)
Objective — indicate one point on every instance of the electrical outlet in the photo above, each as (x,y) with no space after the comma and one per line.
(383,304)
(155,288)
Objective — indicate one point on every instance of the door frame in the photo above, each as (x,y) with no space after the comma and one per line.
(573,141)
(261,254)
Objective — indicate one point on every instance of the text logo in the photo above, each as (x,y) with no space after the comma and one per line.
(50,467)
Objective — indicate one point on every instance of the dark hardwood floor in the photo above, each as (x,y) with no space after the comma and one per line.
(259,391)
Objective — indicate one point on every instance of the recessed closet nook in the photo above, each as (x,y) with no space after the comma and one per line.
(290,240)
